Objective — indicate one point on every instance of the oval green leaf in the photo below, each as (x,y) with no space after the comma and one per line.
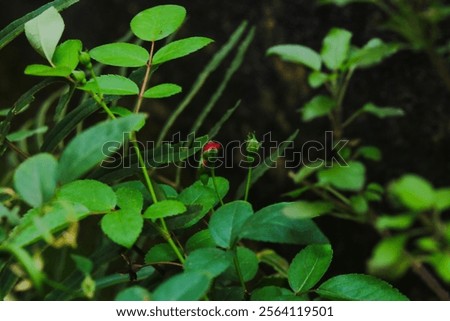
(187,286)
(248,262)
(67,54)
(160,253)
(111,85)
(317,107)
(297,54)
(164,208)
(347,178)
(212,261)
(180,48)
(120,54)
(158,22)
(93,145)
(227,222)
(335,49)
(35,179)
(134,293)
(271,224)
(359,287)
(82,191)
(129,198)
(123,227)
(199,240)
(414,192)
(308,266)
(162,91)
(47,71)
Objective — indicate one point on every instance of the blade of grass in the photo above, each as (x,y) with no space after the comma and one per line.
(203,76)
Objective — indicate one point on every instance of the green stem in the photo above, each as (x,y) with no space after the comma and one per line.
(341,197)
(213,176)
(168,238)
(248,183)
(138,105)
(237,266)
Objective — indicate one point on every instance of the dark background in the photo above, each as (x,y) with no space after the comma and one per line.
(272,92)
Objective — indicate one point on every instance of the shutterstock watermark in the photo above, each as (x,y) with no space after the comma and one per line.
(187,152)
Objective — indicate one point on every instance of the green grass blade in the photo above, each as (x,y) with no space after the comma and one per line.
(69,123)
(235,64)
(216,128)
(16,27)
(267,164)
(210,67)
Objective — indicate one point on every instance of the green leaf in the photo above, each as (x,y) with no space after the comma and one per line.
(35,179)
(24,134)
(180,48)
(297,54)
(335,48)
(271,224)
(160,253)
(47,71)
(120,54)
(440,263)
(442,199)
(397,222)
(123,226)
(129,198)
(304,209)
(382,112)
(347,178)
(162,91)
(248,262)
(88,149)
(306,171)
(222,184)
(68,124)
(227,222)
(120,111)
(317,79)
(164,208)
(200,240)
(51,219)
(134,293)
(359,287)
(67,54)
(273,259)
(414,192)
(317,107)
(370,152)
(111,85)
(359,204)
(158,22)
(211,261)
(82,192)
(388,259)
(82,263)
(308,266)
(44,32)
(270,293)
(16,27)
(195,195)
(372,53)
(187,286)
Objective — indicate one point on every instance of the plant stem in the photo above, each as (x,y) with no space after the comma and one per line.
(138,105)
(213,177)
(16,149)
(237,266)
(248,183)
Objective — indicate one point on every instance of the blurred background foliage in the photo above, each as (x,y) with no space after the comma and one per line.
(272,91)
